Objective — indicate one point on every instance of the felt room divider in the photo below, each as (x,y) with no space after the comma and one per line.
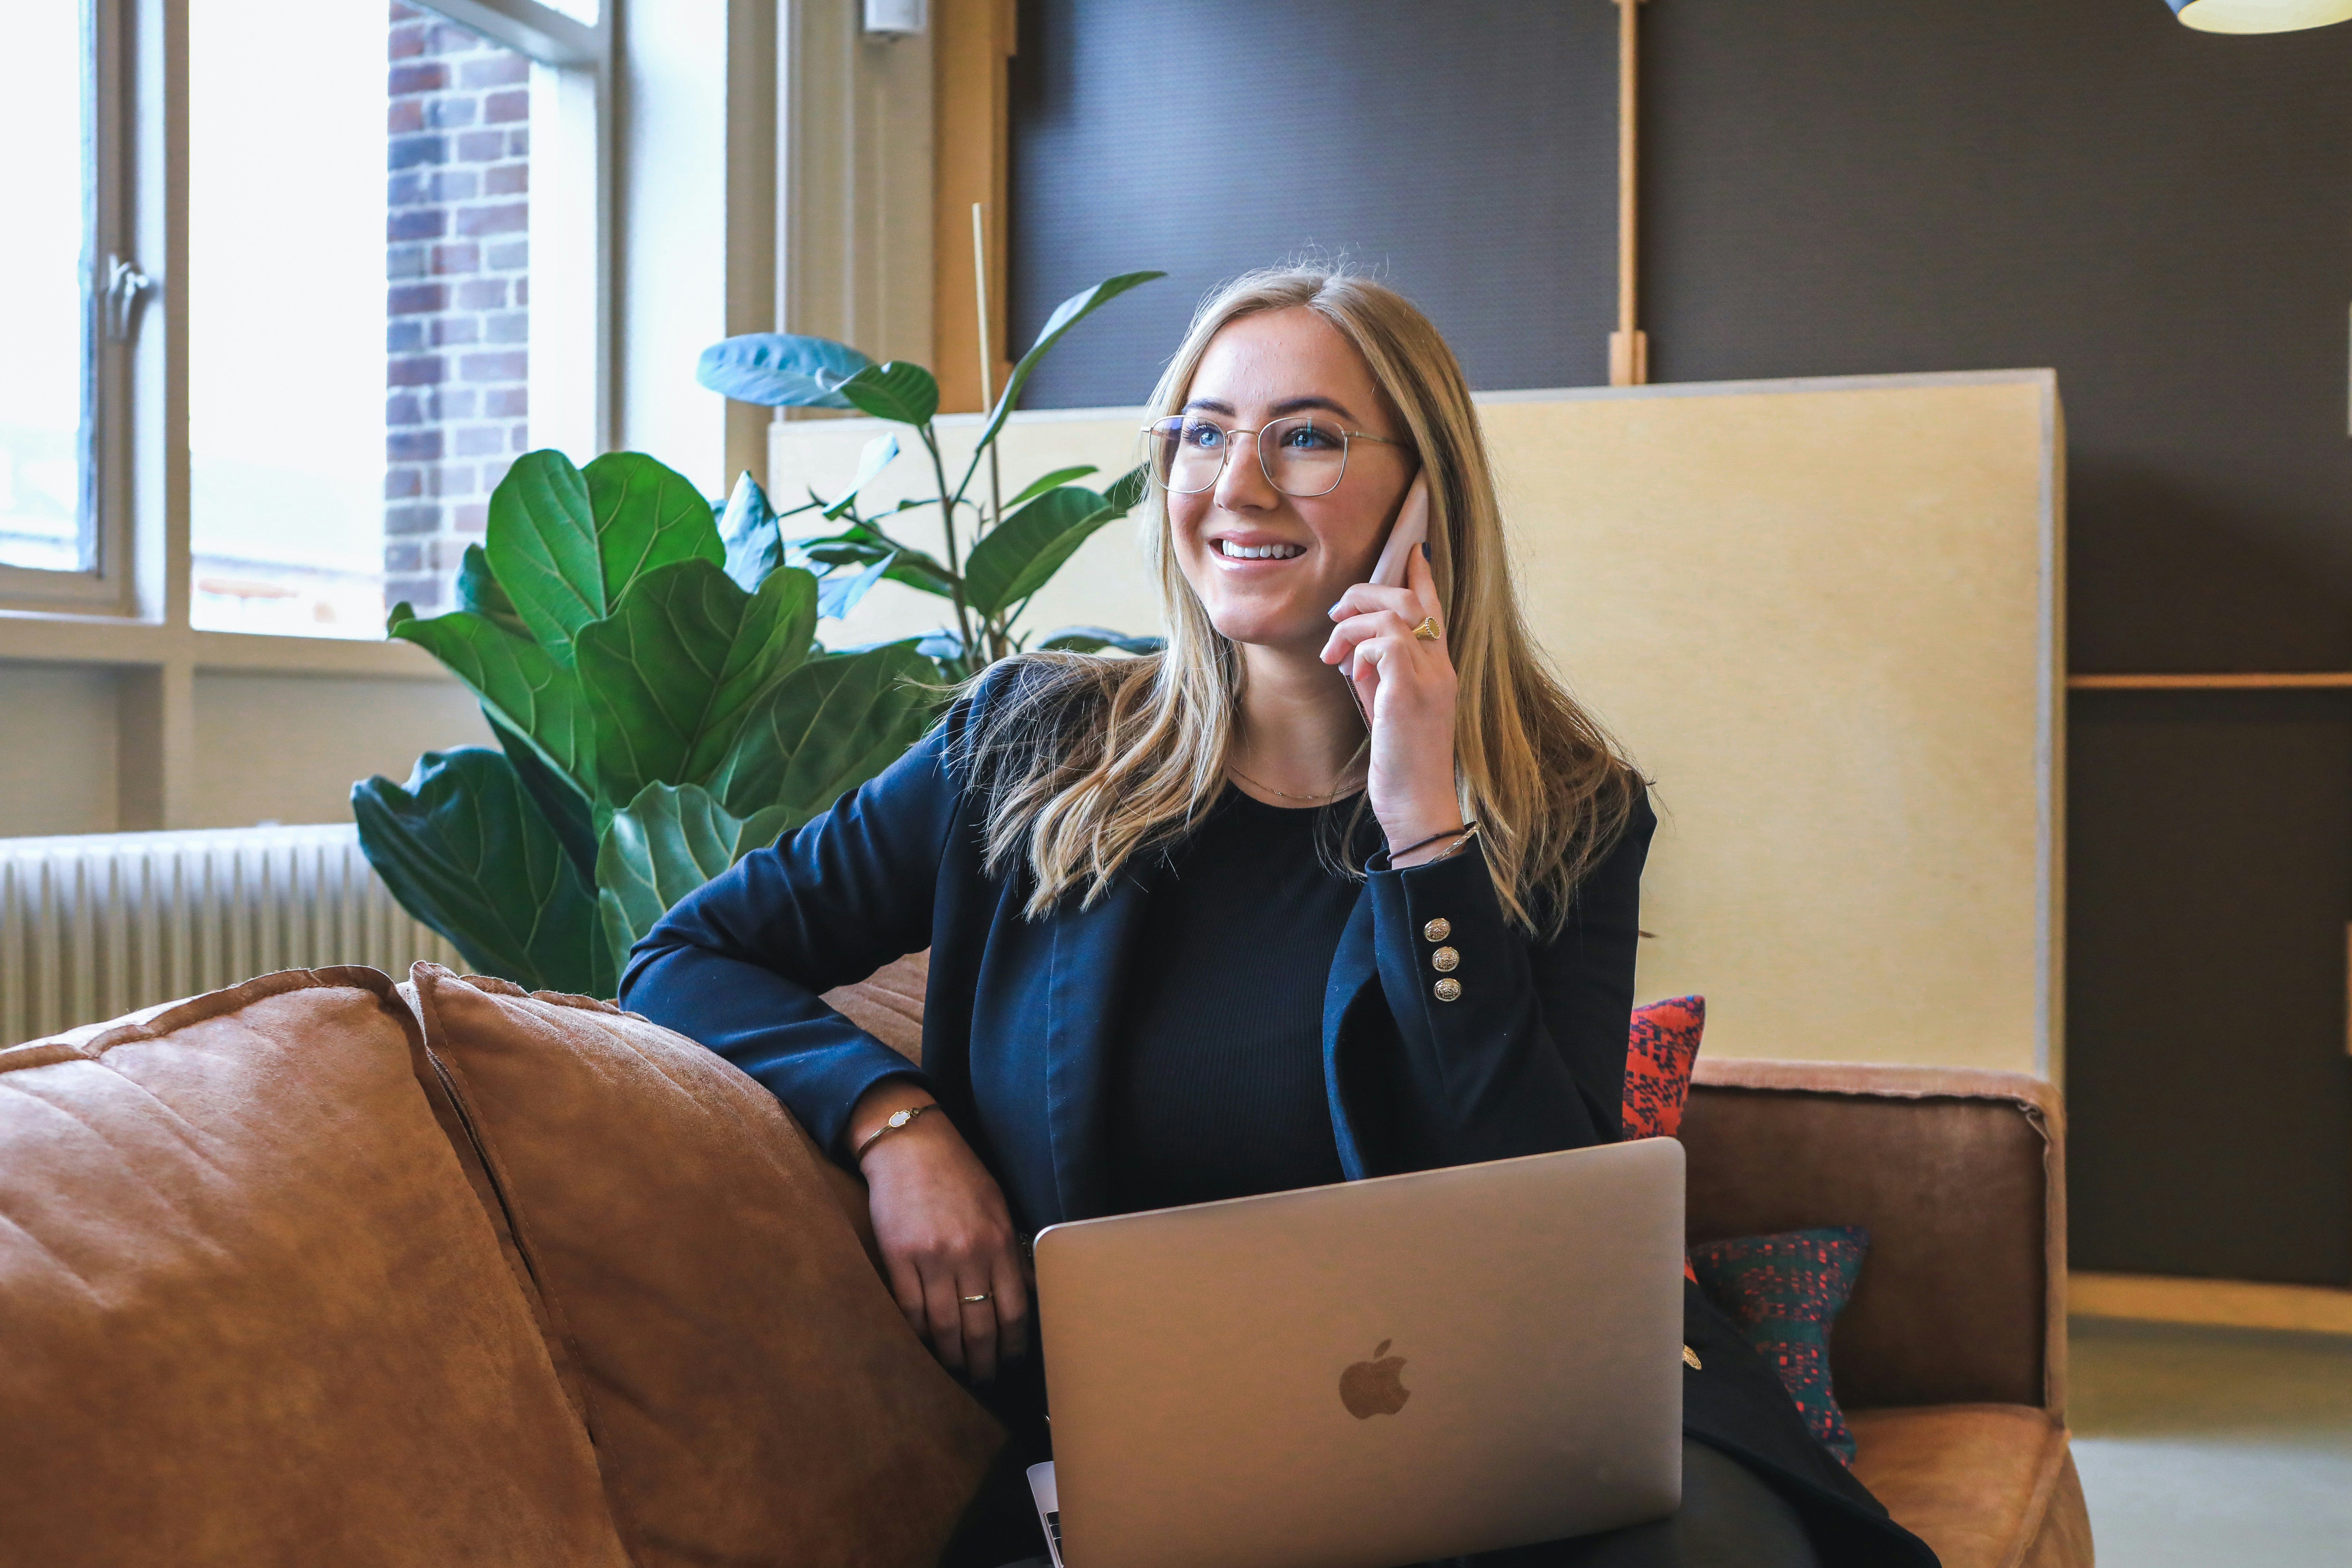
(1825,616)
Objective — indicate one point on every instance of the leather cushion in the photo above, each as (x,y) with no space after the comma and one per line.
(753,1393)
(252,1312)
(1974,1481)
(1956,1196)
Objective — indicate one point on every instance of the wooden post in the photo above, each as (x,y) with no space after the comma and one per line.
(972,49)
(1629,346)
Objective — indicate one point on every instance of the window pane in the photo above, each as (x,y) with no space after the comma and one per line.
(44,271)
(361,306)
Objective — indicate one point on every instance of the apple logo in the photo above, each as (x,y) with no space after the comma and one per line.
(1374,1388)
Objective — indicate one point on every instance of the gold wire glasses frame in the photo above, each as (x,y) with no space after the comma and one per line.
(1189,449)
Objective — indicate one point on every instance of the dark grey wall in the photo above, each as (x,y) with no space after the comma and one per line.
(1466,151)
(1855,186)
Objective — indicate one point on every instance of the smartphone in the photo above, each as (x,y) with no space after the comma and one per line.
(1412,531)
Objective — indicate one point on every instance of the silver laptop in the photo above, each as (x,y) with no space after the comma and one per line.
(1368,1374)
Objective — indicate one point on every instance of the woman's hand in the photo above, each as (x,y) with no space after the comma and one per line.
(945,1234)
(1405,685)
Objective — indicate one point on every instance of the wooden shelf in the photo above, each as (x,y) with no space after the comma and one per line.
(2307,680)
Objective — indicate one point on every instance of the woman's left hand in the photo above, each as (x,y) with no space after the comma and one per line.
(1406,686)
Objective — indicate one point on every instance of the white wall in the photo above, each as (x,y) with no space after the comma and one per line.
(57,728)
(287,747)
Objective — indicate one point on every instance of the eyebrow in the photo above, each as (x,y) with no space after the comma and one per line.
(1287,406)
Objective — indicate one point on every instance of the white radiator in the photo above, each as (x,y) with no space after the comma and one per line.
(97,925)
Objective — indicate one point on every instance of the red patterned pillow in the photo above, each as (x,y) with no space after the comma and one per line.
(1658,1056)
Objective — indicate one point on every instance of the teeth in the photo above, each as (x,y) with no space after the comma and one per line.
(1226,547)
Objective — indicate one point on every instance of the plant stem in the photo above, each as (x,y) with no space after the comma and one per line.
(955,560)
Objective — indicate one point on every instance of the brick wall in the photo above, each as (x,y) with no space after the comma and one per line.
(456,259)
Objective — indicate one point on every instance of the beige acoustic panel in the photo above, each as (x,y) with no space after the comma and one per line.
(1823,615)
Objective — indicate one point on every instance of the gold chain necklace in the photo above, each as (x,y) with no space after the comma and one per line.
(1318,799)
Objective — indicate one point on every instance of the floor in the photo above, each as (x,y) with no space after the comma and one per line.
(2209,1446)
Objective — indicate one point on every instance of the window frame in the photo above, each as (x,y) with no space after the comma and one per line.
(101,461)
(130,608)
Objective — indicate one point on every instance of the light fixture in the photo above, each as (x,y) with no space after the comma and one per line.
(2259,15)
(896,18)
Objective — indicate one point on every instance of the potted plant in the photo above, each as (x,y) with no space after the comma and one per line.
(648,665)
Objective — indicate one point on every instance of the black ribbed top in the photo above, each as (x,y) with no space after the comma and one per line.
(1216,1086)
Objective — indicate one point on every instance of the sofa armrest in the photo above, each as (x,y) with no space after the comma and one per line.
(1960,1176)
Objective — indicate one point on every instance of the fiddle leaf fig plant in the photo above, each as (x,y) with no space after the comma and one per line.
(1015,546)
(648,665)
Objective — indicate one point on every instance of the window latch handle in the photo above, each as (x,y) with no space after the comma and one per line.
(125,287)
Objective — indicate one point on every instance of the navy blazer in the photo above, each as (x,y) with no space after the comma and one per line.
(1020,1018)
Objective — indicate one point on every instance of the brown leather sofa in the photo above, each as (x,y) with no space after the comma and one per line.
(1950,1360)
(318,1268)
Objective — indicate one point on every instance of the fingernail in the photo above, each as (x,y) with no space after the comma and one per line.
(1425,550)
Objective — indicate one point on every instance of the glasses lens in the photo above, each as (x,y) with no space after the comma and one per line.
(1187,454)
(1302,457)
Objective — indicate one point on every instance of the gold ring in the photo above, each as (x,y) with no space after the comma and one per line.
(1427,631)
(973,1301)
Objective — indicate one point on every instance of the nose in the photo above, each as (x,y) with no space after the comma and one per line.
(1243,486)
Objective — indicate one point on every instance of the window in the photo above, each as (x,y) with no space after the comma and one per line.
(50,274)
(392,278)
(361,342)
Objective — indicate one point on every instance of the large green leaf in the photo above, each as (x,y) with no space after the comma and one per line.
(781,370)
(478,591)
(564,545)
(648,516)
(1020,554)
(567,809)
(519,683)
(464,849)
(1039,486)
(665,844)
(673,674)
(747,532)
(900,392)
(1066,314)
(541,546)
(876,456)
(827,727)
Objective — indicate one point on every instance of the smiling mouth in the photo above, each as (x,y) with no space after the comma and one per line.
(1232,551)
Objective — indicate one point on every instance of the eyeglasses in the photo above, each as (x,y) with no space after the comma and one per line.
(1298,456)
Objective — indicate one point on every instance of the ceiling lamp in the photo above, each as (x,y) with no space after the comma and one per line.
(2259,15)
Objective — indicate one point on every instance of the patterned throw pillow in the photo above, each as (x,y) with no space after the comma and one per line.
(1784,1291)
(1658,1056)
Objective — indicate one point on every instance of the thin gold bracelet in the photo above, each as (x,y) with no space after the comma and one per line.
(899,1120)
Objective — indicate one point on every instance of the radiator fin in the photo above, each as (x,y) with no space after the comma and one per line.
(97,925)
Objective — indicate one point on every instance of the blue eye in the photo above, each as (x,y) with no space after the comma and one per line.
(1203,435)
(1307,438)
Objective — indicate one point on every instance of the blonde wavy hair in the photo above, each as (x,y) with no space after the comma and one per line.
(1088,761)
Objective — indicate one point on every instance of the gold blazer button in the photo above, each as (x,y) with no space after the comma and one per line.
(1445,960)
(1446,990)
(1438,930)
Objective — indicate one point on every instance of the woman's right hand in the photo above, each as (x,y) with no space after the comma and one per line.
(944,1232)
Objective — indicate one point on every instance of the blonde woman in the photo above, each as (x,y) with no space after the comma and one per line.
(1342,883)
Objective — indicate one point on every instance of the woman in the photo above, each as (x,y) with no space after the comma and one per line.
(1341,884)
